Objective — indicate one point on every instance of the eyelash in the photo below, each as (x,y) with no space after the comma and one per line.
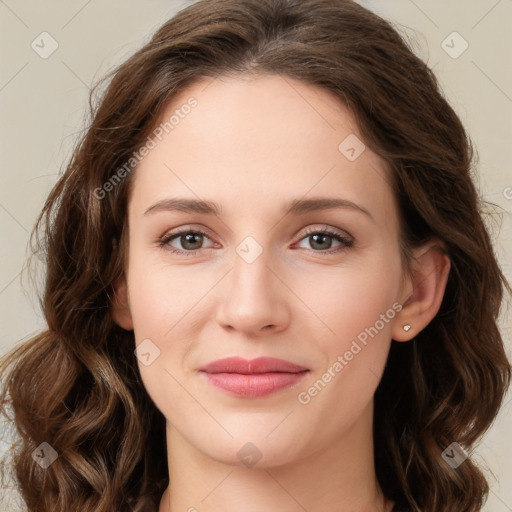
(346,242)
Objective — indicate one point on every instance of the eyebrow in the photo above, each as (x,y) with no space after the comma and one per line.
(295,207)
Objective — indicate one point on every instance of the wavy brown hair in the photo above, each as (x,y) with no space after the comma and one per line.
(77,385)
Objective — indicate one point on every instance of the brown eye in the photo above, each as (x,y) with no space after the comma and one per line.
(189,241)
(322,240)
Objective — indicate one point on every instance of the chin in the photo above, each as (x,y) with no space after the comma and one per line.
(255,451)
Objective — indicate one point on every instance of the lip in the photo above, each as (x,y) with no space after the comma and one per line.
(252,378)
(252,366)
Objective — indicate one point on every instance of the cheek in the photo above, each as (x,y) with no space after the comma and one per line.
(162,302)
(352,298)
(164,297)
(354,357)
(358,305)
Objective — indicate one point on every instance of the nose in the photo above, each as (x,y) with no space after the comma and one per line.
(254,298)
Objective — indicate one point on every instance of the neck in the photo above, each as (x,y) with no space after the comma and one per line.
(338,478)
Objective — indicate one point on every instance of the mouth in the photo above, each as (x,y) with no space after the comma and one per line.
(252,378)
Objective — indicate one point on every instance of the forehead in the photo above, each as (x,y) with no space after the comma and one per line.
(250,137)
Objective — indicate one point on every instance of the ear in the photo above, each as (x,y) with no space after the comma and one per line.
(426,286)
(121,305)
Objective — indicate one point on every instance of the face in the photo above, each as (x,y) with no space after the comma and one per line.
(317,287)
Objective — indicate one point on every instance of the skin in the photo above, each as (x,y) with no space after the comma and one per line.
(251,145)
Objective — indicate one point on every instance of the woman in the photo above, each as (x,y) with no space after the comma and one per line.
(269,285)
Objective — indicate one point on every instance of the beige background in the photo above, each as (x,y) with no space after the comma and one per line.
(42,105)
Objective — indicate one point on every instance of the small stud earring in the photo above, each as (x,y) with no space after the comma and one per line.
(406,327)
